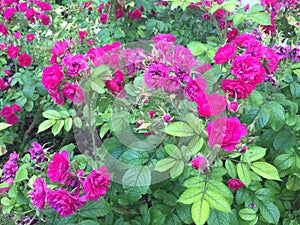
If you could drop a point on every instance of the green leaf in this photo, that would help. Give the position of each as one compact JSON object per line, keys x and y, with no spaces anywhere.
{"x":218,"y":217}
{"x":244,"y":174}
{"x":22,"y":174}
{"x":137,"y":176}
{"x":104,"y":129}
{"x":263,"y":118}
{"x":57,"y":127}
{"x":52,"y":114}
{"x":173,"y":151}
{"x":195,"y":123}
{"x":231,"y":168}
{"x":255,"y":8}
{"x":94,"y":209}
{"x":247,"y":214}
{"x":190,"y":195}
{"x":46,"y":125}
{"x":165,"y":164}
{"x":261,"y":18}
{"x":197,"y":48}
{"x":254,"y":153}
{"x":265,"y":170}
{"x":295,"y":90}
{"x":194,"y":146}
{"x":177,"y":169}
{"x":277,"y":118}
{"x":175,"y":4}
{"x":4,"y":185}
{"x":195,"y":182}
{"x":68,"y":124}
{"x":284,"y":139}
{"x":284,"y":161}
{"x":179,"y":129}
{"x":184,"y":213}
{"x":217,"y":201}
{"x":134,"y":157}
{"x":293,"y":183}
{"x":230,"y":6}
{"x":7,"y":209}
{"x":89,"y":222}
{"x":6,"y":201}
{"x":4,"y":126}
{"x":238,"y":18}
{"x":270,"y":212}
{"x":265,"y":194}
{"x":200,"y":211}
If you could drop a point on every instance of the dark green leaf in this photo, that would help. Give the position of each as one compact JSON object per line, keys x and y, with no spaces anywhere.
{"x":95,"y":209}
{"x":270,"y":212}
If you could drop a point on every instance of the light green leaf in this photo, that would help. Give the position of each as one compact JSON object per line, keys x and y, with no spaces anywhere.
{"x":238,"y":18}
{"x":261,"y":18}
{"x":45,"y":125}
{"x":200,"y":211}
{"x":4,"y":185}
{"x":190,"y":195}
{"x":137,"y":176}
{"x":293,"y":183}
{"x":265,"y":170}
{"x":244,"y":174}
{"x":177,"y":169}
{"x":179,"y":129}
{"x":173,"y":151}
{"x":165,"y":164}
{"x":57,"y":127}
{"x":217,"y":201}
{"x":270,"y":212}
{"x":95,"y":209}
{"x":197,"y":48}
{"x":4,"y":126}
{"x":284,"y":161}
{"x":52,"y":114}
{"x":22,"y":174}
{"x":104,"y":129}
{"x":253,"y":154}
{"x":68,"y":124}
{"x":247,"y":214}
{"x":231,"y":168}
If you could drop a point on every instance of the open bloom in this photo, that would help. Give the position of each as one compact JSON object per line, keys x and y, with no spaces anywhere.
{"x":96,"y":184}
{"x":74,"y":92}
{"x":59,"y":167}
{"x":225,"y":53}
{"x":39,"y":194}
{"x":235,"y":184}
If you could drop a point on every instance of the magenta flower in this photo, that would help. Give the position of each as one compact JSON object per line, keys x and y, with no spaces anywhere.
{"x":136,"y":14}
{"x":224,"y":54}
{"x":74,"y":92}
{"x":64,"y":202}
{"x":52,"y":76}
{"x":194,"y":89}
{"x":210,"y":105}
{"x":96,"y":184}
{"x":226,"y":132}
{"x":237,"y":88}
{"x":151,"y":113}
{"x":12,"y":119}
{"x":30,"y":13}
{"x":199,"y":162}
{"x":37,"y":153}
{"x":59,"y":167}
{"x":22,"y":6}
{"x":12,"y":51}
{"x":167,"y":118}
{"x":75,"y":64}
{"x":9,"y":171}
{"x":45,"y":19}
{"x":45,"y":6}
{"x":164,"y":37}
{"x":235,"y":184}
{"x":6,"y":111}
{"x":155,"y":75}
{"x":39,"y":194}
{"x":171,"y":84}
{"x":3,"y":29}
{"x":29,"y":37}
{"x":232,"y":106}
{"x":25,"y":60}
{"x":103,"y":18}
{"x":8,"y":13}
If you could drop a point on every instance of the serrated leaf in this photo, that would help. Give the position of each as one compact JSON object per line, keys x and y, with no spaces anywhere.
{"x":177,"y":169}
{"x":200,"y":211}
{"x":265,"y":194}
{"x":52,"y":114}
{"x":254,"y":153}
{"x":173,"y":151}
{"x":293,"y":183}
{"x":244,"y":174}
{"x":94,"y":209}
{"x":195,"y":182}
{"x":263,"y":118}
{"x":231,"y":168}
{"x":4,"y":126}
{"x":284,"y":161}
{"x":45,"y":125}
{"x":284,"y":140}
{"x":265,"y":170}
{"x":134,"y":157}
{"x":190,"y":195}
{"x":165,"y":164}
{"x":238,"y":18}
{"x":247,"y":214}
{"x":217,"y":201}
{"x":68,"y":124}
{"x":184,"y":213}
{"x":22,"y":174}
{"x":197,"y":48}
{"x":270,"y":212}
{"x":218,"y":217}
{"x":179,"y":129}
{"x":104,"y":129}
{"x":57,"y":127}
{"x":261,"y":18}
{"x":137,"y":176}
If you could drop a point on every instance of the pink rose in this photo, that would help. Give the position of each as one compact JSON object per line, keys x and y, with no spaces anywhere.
{"x":8,"y":13}
{"x":151,"y":113}
{"x":22,"y":6}
{"x":57,"y":96}
{"x":237,"y":88}
{"x":199,"y":162}
{"x":16,"y":107}
{"x":12,"y":51}
{"x":206,"y":16}
{"x":136,"y":14}
{"x":25,"y":60}
{"x":268,"y":2}
{"x":96,"y":184}
{"x":231,"y":35}
{"x":235,"y":184}
{"x":45,"y":19}
{"x":271,"y":60}
{"x":75,"y":64}
{"x":6,"y":111}
{"x":119,"y":13}
{"x":244,"y":39}
{"x":59,"y":167}
{"x":100,"y":8}
{"x":210,"y":104}
{"x":39,"y":194}
{"x":156,"y":75}
{"x":232,"y":106}
{"x":195,"y":88}
{"x":52,"y":76}
{"x":17,"y":35}
{"x":248,"y":68}
{"x":45,"y":6}
{"x":74,"y":92}
{"x":167,"y":118}
{"x":164,"y":37}
{"x":3,"y":29}
{"x":226,"y":132}
{"x":171,"y":84}
{"x":29,"y":13}
{"x":59,"y":48}
{"x":29,"y":37}
{"x":224,"y":54}
{"x":12,"y":119}
{"x":82,"y":34}
{"x":64,"y":202}
{"x":103,"y":18}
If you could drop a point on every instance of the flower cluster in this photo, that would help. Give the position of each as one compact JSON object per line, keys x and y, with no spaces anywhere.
{"x":9,"y":171}
{"x":9,"y":113}
{"x":33,"y":11}
{"x":76,"y":190}
{"x":37,"y":154}
{"x":24,"y":59}
{"x":285,"y":52}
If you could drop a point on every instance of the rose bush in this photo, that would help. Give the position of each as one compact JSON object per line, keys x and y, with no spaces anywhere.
{"x":149,"y":112}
